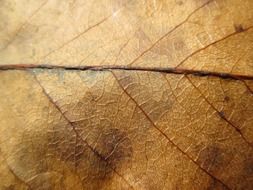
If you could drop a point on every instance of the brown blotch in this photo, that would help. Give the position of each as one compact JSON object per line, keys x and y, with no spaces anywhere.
{"x":212,"y":185}
{"x":113,"y":151}
{"x":226,"y":98}
{"x":246,"y":174}
{"x":248,"y":167}
{"x":238,"y":28}
{"x":99,"y":158}
{"x":214,"y":159}
{"x":222,"y":114}
{"x":115,"y":147}
{"x":215,"y":185}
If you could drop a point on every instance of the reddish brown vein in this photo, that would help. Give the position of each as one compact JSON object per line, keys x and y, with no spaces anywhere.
{"x":172,"y":70}
{"x":213,"y":43}
{"x":221,"y":115}
{"x":169,"y":32}
{"x":77,"y":134}
{"x":166,"y":136}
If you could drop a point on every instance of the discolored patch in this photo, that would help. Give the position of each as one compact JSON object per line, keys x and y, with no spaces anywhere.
{"x":248,"y":168}
{"x":214,"y":159}
{"x":222,"y":114}
{"x":98,"y":159}
{"x":112,"y":150}
{"x":179,"y":2}
{"x":238,"y":28}
{"x":214,"y":185}
{"x":115,"y":147}
{"x":179,"y":45}
{"x":226,"y":98}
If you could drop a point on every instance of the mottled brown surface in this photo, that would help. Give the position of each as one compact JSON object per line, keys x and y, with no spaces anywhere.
{"x":125,"y":94}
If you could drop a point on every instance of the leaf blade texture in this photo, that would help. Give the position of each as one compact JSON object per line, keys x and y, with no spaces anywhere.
{"x":126,"y":94}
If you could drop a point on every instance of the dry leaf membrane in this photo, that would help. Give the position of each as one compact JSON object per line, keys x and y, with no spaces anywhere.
{"x":110,"y":94}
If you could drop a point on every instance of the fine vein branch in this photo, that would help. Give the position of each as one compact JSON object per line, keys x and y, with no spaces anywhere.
{"x":171,"y":70}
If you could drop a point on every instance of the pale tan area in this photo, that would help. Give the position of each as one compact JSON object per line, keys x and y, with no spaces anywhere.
{"x":213,"y":35}
{"x":91,"y":129}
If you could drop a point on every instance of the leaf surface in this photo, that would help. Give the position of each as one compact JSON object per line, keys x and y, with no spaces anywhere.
{"x":110,"y":94}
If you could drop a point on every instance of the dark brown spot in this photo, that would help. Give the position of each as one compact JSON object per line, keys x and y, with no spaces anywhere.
{"x":222,"y":114}
{"x":238,"y":28}
{"x":226,"y":98}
